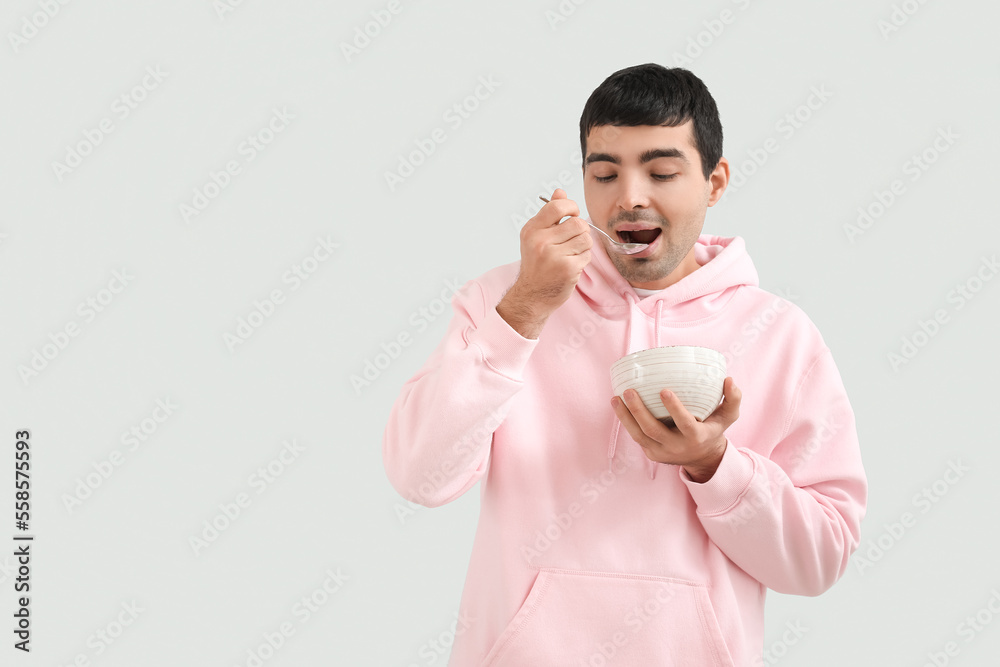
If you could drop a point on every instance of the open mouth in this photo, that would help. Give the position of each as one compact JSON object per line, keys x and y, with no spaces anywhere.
{"x":639,"y":235}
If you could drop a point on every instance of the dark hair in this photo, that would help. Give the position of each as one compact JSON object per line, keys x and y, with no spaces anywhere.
{"x":651,"y":94}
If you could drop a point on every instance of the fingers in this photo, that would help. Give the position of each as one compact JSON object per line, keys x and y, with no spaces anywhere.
{"x":628,"y":421}
{"x":646,"y":425}
{"x":579,"y":243}
{"x":572,"y":235}
{"x":729,"y":410}
{"x":557,"y":209}
{"x":683,"y":418}
{"x":561,"y":241}
{"x":573,"y":227}
{"x":689,"y":437}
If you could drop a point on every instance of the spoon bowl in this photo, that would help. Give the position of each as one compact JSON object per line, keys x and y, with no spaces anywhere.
{"x":617,"y":246}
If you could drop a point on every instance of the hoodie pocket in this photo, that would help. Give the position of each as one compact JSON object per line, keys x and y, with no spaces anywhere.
{"x":573,"y":618}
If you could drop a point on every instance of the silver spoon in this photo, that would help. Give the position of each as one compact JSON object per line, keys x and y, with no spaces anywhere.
{"x":619,"y":247}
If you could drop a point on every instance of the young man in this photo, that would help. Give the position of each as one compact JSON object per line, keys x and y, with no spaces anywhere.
{"x":648,"y":544}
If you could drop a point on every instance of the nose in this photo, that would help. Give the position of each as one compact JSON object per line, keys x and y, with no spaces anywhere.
{"x":632,"y":194}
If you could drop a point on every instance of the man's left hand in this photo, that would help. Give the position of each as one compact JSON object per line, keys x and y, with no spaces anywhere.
{"x":696,"y":446}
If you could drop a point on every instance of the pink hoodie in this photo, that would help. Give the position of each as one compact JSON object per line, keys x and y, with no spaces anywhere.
{"x":588,"y":553}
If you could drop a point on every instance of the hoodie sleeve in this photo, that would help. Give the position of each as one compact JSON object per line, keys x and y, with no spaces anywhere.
{"x":439,"y":434}
{"x":792,"y":520}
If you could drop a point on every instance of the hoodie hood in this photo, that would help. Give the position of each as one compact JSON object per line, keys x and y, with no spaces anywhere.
{"x":724,"y":267}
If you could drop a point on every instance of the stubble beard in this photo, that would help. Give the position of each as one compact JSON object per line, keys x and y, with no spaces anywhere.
{"x":649,"y":269}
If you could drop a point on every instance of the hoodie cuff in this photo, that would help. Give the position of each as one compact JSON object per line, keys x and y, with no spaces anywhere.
{"x":504,"y":349}
{"x":730,"y":481}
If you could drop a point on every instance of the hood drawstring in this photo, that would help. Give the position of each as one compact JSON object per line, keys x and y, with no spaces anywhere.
{"x":612,"y":444}
{"x":653,"y":465}
{"x":659,"y":310}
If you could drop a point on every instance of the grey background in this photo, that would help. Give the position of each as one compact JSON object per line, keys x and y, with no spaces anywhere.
{"x":454,"y":218}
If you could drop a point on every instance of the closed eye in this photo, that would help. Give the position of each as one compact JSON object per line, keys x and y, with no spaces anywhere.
{"x":659,"y":177}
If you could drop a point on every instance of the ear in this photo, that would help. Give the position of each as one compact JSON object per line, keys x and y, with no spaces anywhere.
{"x":718,"y":181}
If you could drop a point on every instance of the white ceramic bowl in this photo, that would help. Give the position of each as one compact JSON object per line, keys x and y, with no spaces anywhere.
{"x":695,"y":374}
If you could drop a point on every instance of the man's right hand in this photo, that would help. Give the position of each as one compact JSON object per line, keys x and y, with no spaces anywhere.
{"x":552,"y":258}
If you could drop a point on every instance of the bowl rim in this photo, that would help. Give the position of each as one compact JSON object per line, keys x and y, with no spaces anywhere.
{"x":698,"y":349}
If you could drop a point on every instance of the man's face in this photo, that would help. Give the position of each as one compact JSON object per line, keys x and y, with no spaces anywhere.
{"x":637,"y":180}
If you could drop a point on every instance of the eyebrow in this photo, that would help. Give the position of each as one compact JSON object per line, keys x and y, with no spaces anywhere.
{"x":646,"y":156}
